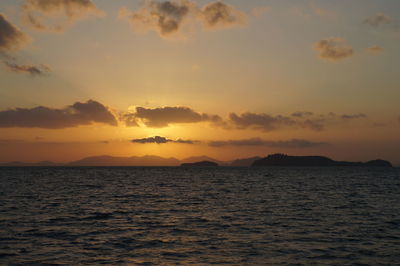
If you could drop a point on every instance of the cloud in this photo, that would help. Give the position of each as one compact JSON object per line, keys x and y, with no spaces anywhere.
{"x":378,"y":20}
{"x":62,"y":13}
{"x":74,"y":115}
{"x":164,"y":116}
{"x":314,"y":124}
{"x":302,"y":114}
{"x":260,"y":121}
{"x":353,"y":116}
{"x":218,"y":15}
{"x":294,"y":143}
{"x":33,"y":70}
{"x":265,"y":122}
{"x":375,"y":49}
{"x":333,"y":49}
{"x":168,"y":18}
{"x":162,"y":140}
{"x":11,"y":38}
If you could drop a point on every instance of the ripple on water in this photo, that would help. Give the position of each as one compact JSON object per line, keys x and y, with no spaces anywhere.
{"x":153,"y":216}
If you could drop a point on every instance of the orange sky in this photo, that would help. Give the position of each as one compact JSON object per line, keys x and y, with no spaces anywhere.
{"x":229,"y":79}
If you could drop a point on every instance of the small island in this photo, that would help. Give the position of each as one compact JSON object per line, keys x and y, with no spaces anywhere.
{"x":200,"y":164}
{"x":287,"y":160}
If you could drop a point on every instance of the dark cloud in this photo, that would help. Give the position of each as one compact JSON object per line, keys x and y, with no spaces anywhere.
{"x":74,"y":115}
{"x":314,"y":124}
{"x":294,"y":143}
{"x":11,"y":38}
{"x":302,"y":114}
{"x":333,"y":49}
{"x":266,"y":122}
{"x":221,"y":15}
{"x":378,"y":20}
{"x":33,"y":70}
{"x":164,"y":116}
{"x":167,"y":18}
{"x":162,"y":140}
{"x":261,"y":121}
{"x":375,"y":49}
{"x":35,"y":12}
{"x":353,"y":116}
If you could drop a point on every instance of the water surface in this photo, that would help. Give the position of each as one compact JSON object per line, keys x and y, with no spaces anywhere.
{"x":236,"y":216}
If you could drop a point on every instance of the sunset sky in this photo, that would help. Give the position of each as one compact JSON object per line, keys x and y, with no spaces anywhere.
{"x":228,"y":79}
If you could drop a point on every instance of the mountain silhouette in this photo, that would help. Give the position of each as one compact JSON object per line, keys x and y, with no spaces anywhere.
{"x":244,"y":161}
{"x":106,"y":160}
{"x":151,"y":160}
{"x":286,"y":160}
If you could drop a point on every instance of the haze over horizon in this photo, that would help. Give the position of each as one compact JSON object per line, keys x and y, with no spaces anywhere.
{"x":227,"y":79}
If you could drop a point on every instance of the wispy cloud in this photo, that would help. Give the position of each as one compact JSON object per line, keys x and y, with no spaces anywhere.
{"x":375,"y":49}
{"x":293,"y":143}
{"x":33,"y":70}
{"x":260,"y":121}
{"x":57,"y":15}
{"x":378,"y":20}
{"x":354,"y":116}
{"x":162,"y":140}
{"x":333,"y":49}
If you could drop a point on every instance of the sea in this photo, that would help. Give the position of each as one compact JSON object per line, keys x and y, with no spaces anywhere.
{"x":199,"y":216}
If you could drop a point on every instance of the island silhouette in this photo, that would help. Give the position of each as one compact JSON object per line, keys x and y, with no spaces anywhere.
{"x":200,"y":164}
{"x":287,"y":160}
{"x":205,"y":161}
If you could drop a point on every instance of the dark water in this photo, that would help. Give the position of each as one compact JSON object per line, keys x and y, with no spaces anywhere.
{"x":239,"y":216}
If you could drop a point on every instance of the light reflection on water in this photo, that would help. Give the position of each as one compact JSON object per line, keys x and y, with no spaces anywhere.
{"x":199,"y":216}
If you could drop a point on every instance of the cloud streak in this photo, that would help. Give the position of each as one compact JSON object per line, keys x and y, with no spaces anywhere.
{"x":375,"y":49}
{"x":293,"y":143}
{"x":33,"y":70}
{"x":161,"y":140}
{"x":378,"y":20}
{"x":260,"y":121}
{"x":77,"y":114}
{"x":354,"y":116}
{"x":333,"y":49}
{"x":64,"y":13}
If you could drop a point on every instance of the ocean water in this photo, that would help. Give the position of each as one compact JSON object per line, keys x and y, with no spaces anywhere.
{"x":200,"y":216}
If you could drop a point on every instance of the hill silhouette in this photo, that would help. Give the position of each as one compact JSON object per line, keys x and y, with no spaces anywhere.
{"x":286,"y":160}
{"x":150,"y":160}
{"x":106,"y":160}
{"x":245,"y":161}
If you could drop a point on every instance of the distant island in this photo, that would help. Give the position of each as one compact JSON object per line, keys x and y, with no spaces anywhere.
{"x":151,"y":160}
{"x":200,"y":164}
{"x":287,"y":160}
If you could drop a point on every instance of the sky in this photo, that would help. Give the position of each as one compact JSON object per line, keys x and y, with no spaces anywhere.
{"x":228,"y":79}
